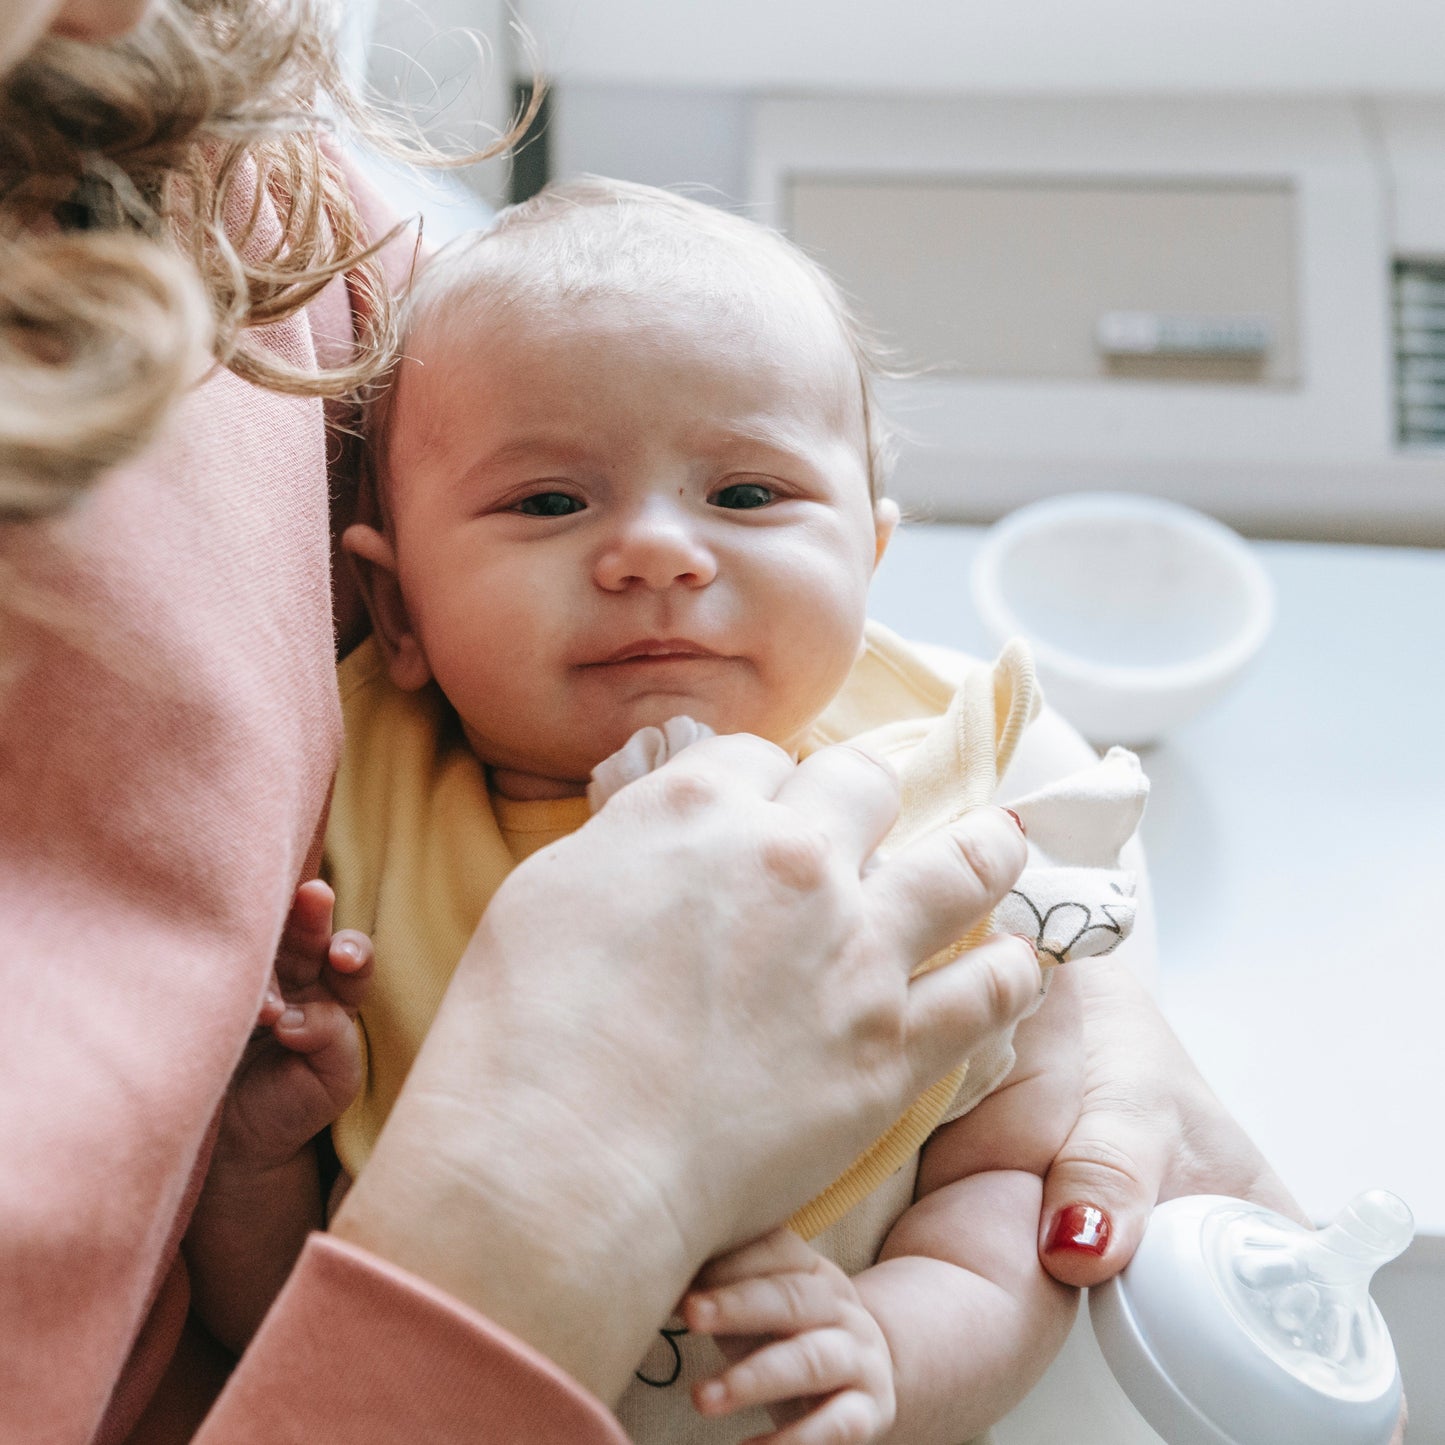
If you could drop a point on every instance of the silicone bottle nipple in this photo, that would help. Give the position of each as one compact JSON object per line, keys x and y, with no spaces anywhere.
{"x":1304,"y":1295}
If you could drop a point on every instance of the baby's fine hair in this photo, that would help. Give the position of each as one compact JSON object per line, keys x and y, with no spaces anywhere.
{"x":575,"y":237}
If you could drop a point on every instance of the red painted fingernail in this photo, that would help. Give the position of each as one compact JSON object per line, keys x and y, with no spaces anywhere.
{"x":1017,"y":820}
{"x":1080,"y":1227}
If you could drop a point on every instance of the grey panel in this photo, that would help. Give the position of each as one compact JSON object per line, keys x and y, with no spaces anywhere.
{"x":1011,"y":278}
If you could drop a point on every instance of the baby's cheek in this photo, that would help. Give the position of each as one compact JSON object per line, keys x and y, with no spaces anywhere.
{"x":800,"y":701}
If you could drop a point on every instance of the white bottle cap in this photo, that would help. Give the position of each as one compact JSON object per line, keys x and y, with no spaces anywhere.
{"x":1233,"y":1325}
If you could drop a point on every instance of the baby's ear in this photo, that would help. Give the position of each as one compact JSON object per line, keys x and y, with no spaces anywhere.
{"x":885,"y":520}
{"x":373,"y":560}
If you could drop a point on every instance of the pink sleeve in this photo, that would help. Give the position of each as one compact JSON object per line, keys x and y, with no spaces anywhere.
{"x":384,"y":1358}
{"x":168,"y":732}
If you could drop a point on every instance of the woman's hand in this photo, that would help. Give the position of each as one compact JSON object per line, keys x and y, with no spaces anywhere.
{"x":673,"y":1028}
{"x":1150,"y":1129}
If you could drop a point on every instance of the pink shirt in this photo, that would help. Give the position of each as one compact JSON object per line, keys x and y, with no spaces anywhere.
{"x":168,"y":733}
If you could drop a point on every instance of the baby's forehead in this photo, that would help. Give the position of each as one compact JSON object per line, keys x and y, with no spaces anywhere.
{"x":711,"y":280}
{"x":718,"y":273}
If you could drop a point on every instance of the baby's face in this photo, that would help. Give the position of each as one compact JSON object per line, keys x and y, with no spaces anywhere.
{"x":621,"y":510}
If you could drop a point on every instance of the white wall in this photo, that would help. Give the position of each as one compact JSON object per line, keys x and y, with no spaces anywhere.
{"x":450,"y":66}
{"x":1409,"y":136}
{"x":1106,"y":46}
{"x":661,"y":136}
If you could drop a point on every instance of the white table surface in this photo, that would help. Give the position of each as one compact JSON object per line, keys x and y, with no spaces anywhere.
{"x":1296,"y":842}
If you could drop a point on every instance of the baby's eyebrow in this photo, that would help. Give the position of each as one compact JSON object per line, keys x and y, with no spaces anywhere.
{"x":767,"y":435}
{"x":554,"y":450}
{"x":529,"y":445}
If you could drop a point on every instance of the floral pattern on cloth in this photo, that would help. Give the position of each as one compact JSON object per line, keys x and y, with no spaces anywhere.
{"x":1074,"y":899}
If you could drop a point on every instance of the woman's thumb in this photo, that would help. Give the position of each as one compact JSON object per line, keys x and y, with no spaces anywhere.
{"x":1098,"y":1194}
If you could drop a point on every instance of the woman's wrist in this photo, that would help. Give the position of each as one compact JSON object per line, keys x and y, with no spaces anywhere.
{"x":569,"y":1249}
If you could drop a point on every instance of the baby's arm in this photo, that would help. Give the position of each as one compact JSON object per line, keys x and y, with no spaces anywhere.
{"x":971,"y":1316}
{"x":964,"y":1314}
{"x":262,"y":1194}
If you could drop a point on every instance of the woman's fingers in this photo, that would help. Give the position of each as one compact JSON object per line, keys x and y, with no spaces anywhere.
{"x":1150,"y":1129}
{"x":723,"y":901}
{"x":933,"y":892}
{"x":952,"y":1010}
{"x":745,"y":765}
{"x":849,"y":796}
{"x":1118,"y":1163}
{"x":1099,"y":1192}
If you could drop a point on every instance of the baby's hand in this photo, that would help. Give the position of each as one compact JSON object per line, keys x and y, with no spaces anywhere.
{"x":644,"y":752}
{"x":303,"y":1064}
{"x":801,"y":1343}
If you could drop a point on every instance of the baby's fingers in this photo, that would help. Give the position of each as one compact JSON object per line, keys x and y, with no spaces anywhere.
{"x":775,"y":1304}
{"x":272,"y":1006}
{"x":306,"y":938}
{"x":324,"y":1033}
{"x":851,"y":1417}
{"x":817,"y":1363}
{"x":349,"y":964}
{"x":773,"y":1253}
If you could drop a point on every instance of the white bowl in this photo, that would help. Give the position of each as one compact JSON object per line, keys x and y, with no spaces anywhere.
{"x":1139,"y":611}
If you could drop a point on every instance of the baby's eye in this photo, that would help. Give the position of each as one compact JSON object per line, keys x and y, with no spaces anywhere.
{"x":743,"y":495}
{"x":550,"y":504}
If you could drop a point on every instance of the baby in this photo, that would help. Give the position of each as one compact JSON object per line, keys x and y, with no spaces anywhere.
{"x":629,"y":473}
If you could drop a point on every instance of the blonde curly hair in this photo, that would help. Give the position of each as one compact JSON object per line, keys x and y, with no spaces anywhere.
{"x":119,"y":166}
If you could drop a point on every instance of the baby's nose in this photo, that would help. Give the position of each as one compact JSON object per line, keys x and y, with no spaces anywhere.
{"x":655,"y":547}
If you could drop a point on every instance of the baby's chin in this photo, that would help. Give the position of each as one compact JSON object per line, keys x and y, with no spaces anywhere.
{"x":716,"y":720}
{"x":568,"y":774}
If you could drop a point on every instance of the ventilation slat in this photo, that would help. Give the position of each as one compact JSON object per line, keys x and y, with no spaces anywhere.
{"x":1419,"y":327}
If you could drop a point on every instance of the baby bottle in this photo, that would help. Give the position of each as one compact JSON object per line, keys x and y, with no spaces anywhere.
{"x":1233,"y":1325}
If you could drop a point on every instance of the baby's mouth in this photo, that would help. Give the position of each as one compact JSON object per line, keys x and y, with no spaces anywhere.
{"x":654,"y":650}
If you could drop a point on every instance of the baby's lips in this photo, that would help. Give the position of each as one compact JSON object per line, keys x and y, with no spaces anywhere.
{"x":641,"y":648}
